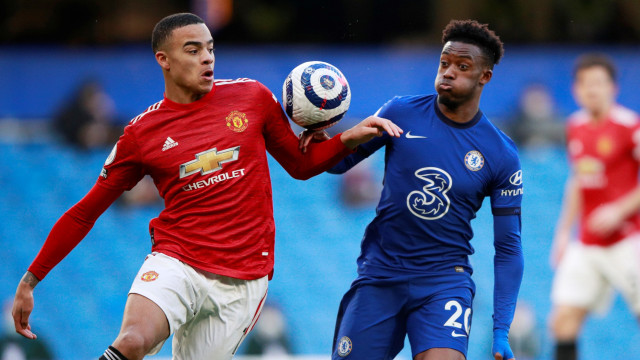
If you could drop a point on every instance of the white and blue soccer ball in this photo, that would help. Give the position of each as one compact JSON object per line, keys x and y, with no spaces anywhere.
{"x":316,"y":95}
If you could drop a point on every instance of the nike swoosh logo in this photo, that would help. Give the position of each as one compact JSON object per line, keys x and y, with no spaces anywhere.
{"x":455,"y":334}
{"x":409,"y":136}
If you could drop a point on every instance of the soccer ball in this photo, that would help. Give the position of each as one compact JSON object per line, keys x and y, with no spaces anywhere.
{"x":316,"y":95}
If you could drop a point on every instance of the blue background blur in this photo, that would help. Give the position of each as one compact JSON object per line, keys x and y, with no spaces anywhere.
{"x":80,"y":304}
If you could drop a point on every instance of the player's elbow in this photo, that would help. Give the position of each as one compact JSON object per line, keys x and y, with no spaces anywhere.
{"x":302,"y":175}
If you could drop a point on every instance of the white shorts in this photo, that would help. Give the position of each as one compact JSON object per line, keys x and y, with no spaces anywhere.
{"x":588,"y":275}
{"x":209,"y":315}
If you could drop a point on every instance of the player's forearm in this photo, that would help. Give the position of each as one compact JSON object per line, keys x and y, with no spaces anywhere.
{"x":508,"y":273}
{"x":570,"y":206}
{"x":319,"y":158}
{"x":29,"y":280}
{"x":508,"y":270}
{"x":71,"y":228}
{"x":630,"y":203}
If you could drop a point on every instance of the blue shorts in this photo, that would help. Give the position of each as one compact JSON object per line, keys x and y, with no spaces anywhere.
{"x":377,"y":313}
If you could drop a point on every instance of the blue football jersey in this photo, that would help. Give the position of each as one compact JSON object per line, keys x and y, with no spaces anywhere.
{"x":436,"y":178}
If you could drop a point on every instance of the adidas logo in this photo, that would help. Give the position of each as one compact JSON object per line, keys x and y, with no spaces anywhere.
{"x":169,"y":143}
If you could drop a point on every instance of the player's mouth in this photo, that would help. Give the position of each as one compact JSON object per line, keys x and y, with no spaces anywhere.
{"x":445,"y":86}
{"x":207,"y":75}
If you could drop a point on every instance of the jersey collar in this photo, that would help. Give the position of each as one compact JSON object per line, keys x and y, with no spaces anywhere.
{"x":452,"y":123}
{"x":192,"y":105}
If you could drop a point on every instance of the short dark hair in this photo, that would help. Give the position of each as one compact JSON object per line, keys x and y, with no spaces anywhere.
{"x":595,"y":59}
{"x":164,"y":27}
{"x":472,"y":32}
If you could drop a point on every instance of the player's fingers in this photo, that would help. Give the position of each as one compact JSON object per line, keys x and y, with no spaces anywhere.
{"x":306,"y":142}
{"x":385,"y":126}
{"x":497,"y":356}
{"x":392,"y":129}
{"x":21,"y":322}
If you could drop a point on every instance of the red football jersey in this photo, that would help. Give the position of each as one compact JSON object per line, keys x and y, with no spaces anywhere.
{"x":209,"y":163}
{"x":605,"y":157}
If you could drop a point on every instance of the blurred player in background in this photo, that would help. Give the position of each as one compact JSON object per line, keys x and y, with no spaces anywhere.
{"x":603,"y":197}
{"x":414,"y":275}
{"x":212,"y":246}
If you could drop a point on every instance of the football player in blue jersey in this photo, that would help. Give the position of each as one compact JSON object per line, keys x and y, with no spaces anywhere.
{"x":414,"y":275}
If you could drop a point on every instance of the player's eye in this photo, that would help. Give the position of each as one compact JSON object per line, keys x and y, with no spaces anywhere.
{"x":211,"y":50}
{"x":443,"y":63}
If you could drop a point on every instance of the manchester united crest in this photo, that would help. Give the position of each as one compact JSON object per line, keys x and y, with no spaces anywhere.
{"x":237,"y":121}
{"x":604,"y":146}
{"x":149,"y":276}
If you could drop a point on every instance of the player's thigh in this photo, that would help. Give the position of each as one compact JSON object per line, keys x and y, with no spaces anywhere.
{"x":169,"y":285}
{"x":579,"y":282}
{"x":370,"y":324}
{"x":145,"y":320}
{"x":440,"y":354}
{"x":443,"y":320}
{"x":230,"y":311}
{"x":621,"y":264}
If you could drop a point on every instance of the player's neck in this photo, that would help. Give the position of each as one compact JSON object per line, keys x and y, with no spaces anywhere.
{"x":462,"y":113}
{"x":599,"y":115}
{"x":181,"y":95}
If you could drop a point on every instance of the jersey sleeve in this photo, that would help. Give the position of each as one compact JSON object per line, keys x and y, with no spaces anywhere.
{"x":365,"y":150}
{"x":123,"y":168}
{"x":507,"y":188}
{"x":508,"y":270}
{"x":71,"y":228}
{"x":282,"y":144}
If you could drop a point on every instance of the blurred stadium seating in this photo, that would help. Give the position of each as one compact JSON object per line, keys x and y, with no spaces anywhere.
{"x":79,"y":306}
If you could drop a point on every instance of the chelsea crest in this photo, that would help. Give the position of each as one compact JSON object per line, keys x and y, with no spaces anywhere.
{"x":474,"y":160}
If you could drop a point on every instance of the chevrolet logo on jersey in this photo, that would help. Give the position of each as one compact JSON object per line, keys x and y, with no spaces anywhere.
{"x":209,"y":161}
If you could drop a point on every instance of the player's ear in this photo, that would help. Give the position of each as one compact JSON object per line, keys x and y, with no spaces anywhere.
{"x":162,"y":59}
{"x":486,"y":76}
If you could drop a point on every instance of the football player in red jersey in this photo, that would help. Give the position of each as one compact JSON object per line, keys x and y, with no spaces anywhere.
{"x":212,"y":246}
{"x":602,"y":195}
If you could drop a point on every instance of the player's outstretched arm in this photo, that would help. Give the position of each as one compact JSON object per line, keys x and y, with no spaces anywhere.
{"x":23,"y":305}
{"x":367,"y":129}
{"x":508,"y":271}
{"x":68,"y":231}
{"x":608,"y":218}
{"x":571,"y":204}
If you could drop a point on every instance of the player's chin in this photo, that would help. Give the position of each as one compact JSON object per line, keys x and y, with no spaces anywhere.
{"x":205,"y":86}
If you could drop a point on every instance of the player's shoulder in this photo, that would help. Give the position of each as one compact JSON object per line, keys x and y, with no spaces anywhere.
{"x":145,"y":115}
{"x":623,"y":116}
{"x":578,"y":118}
{"x":619,"y":115}
{"x":244,"y":86}
{"x":507,"y":143}
{"x":241,"y":84}
{"x":401,"y":103}
{"x":412,"y":100}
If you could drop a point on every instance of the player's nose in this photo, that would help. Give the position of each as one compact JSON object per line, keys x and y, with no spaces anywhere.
{"x":208,"y":58}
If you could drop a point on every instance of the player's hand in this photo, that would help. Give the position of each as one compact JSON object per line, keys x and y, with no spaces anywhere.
{"x":501,"y":349}
{"x":560,"y":243}
{"x":308,"y":136}
{"x":604,"y":220}
{"x":23,"y":306}
{"x":367,"y":129}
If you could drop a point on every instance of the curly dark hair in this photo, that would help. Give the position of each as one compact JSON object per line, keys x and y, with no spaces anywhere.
{"x":472,"y":32}
{"x":164,"y":27}
{"x":596,"y":59}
